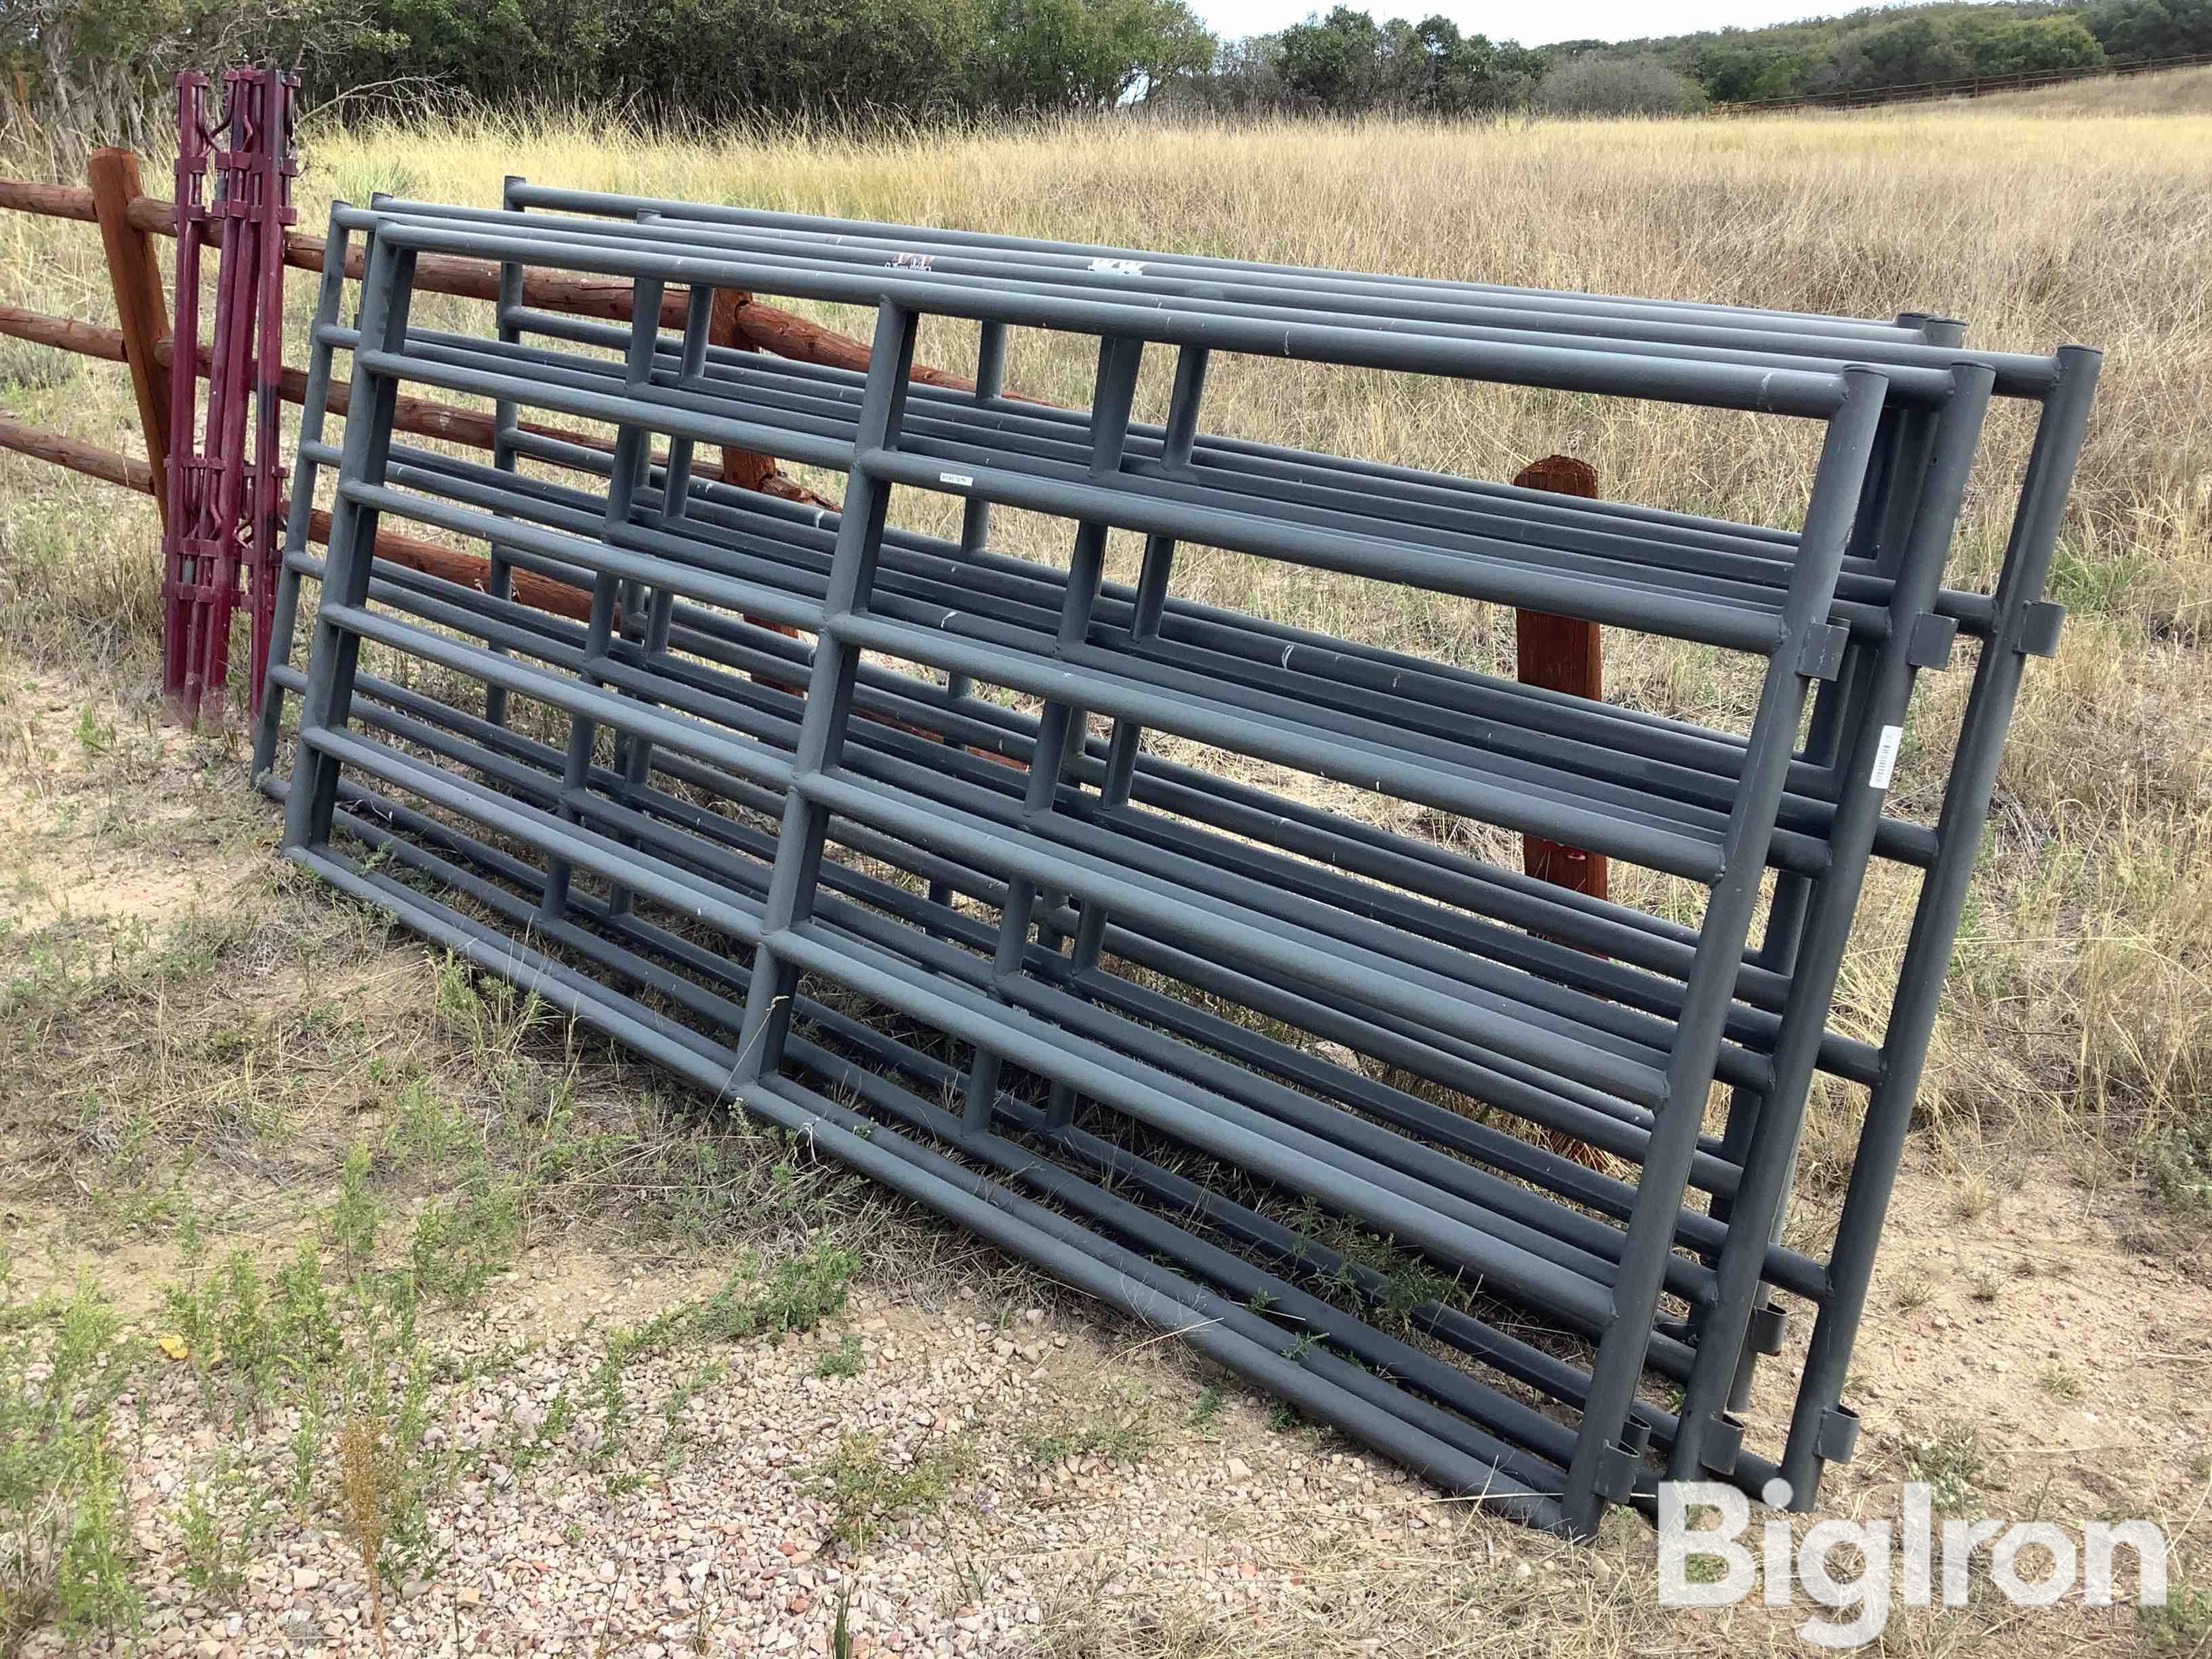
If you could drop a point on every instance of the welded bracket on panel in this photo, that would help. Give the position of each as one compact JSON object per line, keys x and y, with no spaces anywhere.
{"x":1823,"y":656}
{"x":1765,"y":1333}
{"x":1933,"y":636}
{"x":1839,"y":1435}
{"x":1617,"y":1472}
{"x":2039,"y":628}
{"x":1723,"y":1444}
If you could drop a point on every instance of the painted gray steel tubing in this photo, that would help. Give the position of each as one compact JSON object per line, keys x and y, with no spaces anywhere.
{"x":1458,"y":1395}
{"x":446,"y":616}
{"x":1898,"y":839}
{"x":1249,"y":1285}
{"x":960,"y":1196}
{"x":794,"y":945}
{"x":1441,"y":1383}
{"x":1635,"y":560}
{"x":1571,"y":958}
{"x":499,"y":570}
{"x":461,"y":370}
{"x":1918,"y":371}
{"x":386,"y":290}
{"x":1455,"y":1176}
{"x":1468,"y":1238}
{"x":615,"y":205}
{"x":454,"y":619}
{"x":1214,"y":449}
{"x":1843,"y":466}
{"x":1724,"y":750}
{"x":1655,"y":555}
{"x":314,"y":408}
{"x":1880,"y":621}
{"x":1813,"y":394}
{"x":1970,"y":609}
{"x":879,"y":527}
{"x":462,"y":658}
{"x":1820,"y":953}
{"x":1349,"y":292}
{"x":971,"y":1146}
{"x":1720,"y":947}
{"x":1825,"y":1430}
{"x":1516,"y":798}
{"x":1500,"y":580}
{"x":569,"y":326}
{"x":1238,"y":292}
{"x":1912,"y":1010}
{"x":1551,"y":712}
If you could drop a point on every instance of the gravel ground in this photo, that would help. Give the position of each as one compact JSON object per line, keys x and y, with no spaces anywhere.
{"x":729,"y":1545}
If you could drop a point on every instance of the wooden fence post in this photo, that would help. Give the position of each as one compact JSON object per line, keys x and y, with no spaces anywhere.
{"x":740,"y":467}
{"x":141,"y":306}
{"x":1560,"y":653}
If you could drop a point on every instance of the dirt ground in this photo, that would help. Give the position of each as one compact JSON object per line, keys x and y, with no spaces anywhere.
{"x":962,"y":1458}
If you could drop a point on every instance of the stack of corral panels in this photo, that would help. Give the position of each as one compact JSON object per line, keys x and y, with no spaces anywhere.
{"x":885,"y":838}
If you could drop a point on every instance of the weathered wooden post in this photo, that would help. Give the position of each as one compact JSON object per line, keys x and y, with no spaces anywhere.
{"x":141,"y":310}
{"x":1560,"y":653}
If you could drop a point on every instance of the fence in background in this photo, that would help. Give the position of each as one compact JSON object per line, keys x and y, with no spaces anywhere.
{"x":1978,"y":86}
{"x":113,"y":199}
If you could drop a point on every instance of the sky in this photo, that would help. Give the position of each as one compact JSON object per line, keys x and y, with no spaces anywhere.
{"x":1532,"y":25}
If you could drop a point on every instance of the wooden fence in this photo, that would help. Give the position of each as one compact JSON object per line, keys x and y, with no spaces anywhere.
{"x":128,"y":221}
{"x":1979,"y":86}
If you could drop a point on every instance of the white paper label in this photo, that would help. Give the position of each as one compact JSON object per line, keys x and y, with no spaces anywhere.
{"x":1118,"y":267}
{"x":1885,"y":756}
{"x":963,"y":479}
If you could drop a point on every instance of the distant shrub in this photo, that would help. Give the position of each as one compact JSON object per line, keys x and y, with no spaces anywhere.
{"x":1619,"y":85}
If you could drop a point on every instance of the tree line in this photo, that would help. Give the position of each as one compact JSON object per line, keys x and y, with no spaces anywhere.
{"x":101,"y":68}
{"x":1879,"y":46}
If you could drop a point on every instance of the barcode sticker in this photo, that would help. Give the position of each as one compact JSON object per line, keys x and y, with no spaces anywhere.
{"x":1885,"y":756}
{"x":963,"y":479}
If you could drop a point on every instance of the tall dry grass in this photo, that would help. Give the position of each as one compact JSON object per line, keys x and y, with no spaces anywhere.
{"x":2079,"y":994}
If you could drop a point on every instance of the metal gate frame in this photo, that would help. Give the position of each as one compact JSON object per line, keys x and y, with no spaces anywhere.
{"x":1852,"y":603}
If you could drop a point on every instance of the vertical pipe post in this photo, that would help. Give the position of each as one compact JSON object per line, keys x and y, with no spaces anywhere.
{"x":1936,"y":923}
{"x":829,"y":709}
{"x":1709,"y":986}
{"x":330,"y":296}
{"x":1060,"y":723}
{"x":975,"y":517}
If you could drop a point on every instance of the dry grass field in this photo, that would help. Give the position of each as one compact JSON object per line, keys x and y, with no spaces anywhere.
{"x":199,"y":1057}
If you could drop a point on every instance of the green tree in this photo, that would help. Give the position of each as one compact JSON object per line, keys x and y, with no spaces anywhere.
{"x":1334,"y":64}
{"x":2136,"y":30}
{"x":1087,"y":54}
{"x":1737,"y":72}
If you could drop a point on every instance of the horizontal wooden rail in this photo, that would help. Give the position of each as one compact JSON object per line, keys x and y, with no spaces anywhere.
{"x":540,"y":593}
{"x":762,"y":327}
